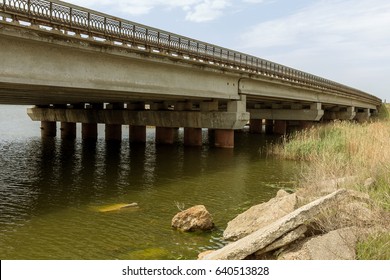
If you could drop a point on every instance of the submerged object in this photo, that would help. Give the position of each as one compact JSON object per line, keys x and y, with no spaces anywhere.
{"x":116,"y":207}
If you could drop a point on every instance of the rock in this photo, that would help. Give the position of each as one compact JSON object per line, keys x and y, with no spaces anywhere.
{"x":260,"y":216}
{"x":205,"y":253}
{"x":284,"y":240}
{"x":335,"y":245}
{"x":281,"y":193}
{"x":267,"y":235}
{"x":116,"y":207}
{"x":194,"y":218}
{"x":356,"y":213}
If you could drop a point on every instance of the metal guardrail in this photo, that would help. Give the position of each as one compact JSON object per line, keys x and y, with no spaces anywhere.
{"x":84,"y":21}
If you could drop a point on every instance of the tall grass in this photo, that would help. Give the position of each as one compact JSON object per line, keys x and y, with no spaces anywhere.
{"x":344,"y":149}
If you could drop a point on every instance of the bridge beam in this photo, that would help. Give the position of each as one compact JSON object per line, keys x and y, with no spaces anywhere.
{"x":315,"y":113}
{"x":348,"y":113}
{"x":174,"y":119}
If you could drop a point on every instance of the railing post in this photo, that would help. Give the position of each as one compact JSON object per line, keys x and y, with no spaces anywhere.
{"x":70,"y":16}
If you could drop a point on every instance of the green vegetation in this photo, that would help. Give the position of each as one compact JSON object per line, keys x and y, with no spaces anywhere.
{"x":344,"y":149}
{"x":374,"y":248}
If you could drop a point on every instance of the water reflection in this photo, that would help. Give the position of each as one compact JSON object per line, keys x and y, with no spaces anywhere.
{"x":50,"y":191}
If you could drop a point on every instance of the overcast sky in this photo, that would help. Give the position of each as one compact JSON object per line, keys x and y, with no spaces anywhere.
{"x":347,"y":41}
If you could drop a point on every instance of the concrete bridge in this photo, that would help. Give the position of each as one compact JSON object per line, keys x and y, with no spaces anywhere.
{"x":80,"y":66}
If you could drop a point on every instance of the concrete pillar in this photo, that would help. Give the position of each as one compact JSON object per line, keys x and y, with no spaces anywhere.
{"x":224,"y":138}
{"x":68,"y":130}
{"x":211,"y":136}
{"x":363,"y":116}
{"x":256,"y":126}
{"x":137,"y":133}
{"x":89,"y":131}
{"x":113,"y":132}
{"x":269,"y":126}
{"x":48,"y":129}
{"x":165,"y":135}
{"x":280,"y":127}
{"x":192,"y":136}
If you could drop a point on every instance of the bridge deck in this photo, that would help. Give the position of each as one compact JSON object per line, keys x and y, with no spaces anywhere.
{"x":78,"y":23}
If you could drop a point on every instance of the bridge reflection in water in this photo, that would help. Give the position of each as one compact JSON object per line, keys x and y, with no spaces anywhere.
{"x":52,"y":191}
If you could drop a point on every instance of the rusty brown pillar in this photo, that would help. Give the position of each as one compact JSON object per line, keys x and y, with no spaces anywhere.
{"x":256,"y":126}
{"x":280,"y":127}
{"x":113,"y":132}
{"x":48,"y":129}
{"x":68,"y":130}
{"x":137,"y":133}
{"x":192,"y":136}
{"x":269,"y":126}
{"x":224,"y":138}
{"x":165,"y":135}
{"x":89,"y":131}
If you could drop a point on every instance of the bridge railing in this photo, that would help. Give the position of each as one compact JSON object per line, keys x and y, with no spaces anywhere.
{"x":81,"y":20}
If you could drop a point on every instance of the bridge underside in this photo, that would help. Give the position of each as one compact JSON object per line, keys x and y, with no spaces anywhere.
{"x":75,"y":80}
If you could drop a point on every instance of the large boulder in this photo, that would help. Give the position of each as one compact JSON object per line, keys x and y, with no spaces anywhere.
{"x":260,"y":216}
{"x":192,"y":219}
{"x":265,"y":236}
{"x":335,"y":245}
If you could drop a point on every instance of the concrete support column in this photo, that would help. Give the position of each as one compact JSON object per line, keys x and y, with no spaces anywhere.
{"x":280,"y":127}
{"x":269,"y":126}
{"x":68,"y":130}
{"x":165,"y":135}
{"x":137,"y":133}
{"x":363,"y":116}
{"x":89,"y":131}
{"x":192,"y":136}
{"x":114,"y":131}
{"x":224,"y":138}
{"x":48,"y":129}
{"x":256,"y":126}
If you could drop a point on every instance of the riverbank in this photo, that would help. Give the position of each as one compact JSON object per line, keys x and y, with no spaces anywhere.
{"x":340,"y":208}
{"x":347,"y":150}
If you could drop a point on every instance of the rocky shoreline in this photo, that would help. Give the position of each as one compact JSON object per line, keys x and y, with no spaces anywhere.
{"x":305,"y":225}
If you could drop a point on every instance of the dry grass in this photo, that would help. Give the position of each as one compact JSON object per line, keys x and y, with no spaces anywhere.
{"x":343,"y":149}
{"x":346,"y":150}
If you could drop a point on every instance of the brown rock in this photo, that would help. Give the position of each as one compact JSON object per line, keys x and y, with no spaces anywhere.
{"x":194,"y":218}
{"x":284,"y":240}
{"x":203,"y":254}
{"x":335,"y":245}
{"x":281,"y":193}
{"x":267,"y":235}
{"x":259,"y":216}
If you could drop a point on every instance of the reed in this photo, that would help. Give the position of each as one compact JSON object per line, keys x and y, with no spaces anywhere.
{"x":342,"y":150}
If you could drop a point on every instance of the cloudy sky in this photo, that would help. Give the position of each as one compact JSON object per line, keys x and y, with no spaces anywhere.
{"x":347,"y":41}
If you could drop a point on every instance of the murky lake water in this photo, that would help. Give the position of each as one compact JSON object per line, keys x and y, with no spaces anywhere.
{"x":51,"y":192}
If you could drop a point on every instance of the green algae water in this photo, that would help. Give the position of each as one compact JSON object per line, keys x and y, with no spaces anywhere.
{"x":52,"y":192}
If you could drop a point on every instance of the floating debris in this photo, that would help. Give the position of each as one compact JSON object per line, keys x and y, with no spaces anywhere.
{"x":117,"y":207}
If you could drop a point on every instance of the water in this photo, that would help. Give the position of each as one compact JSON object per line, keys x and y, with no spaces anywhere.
{"x":51,"y":192}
